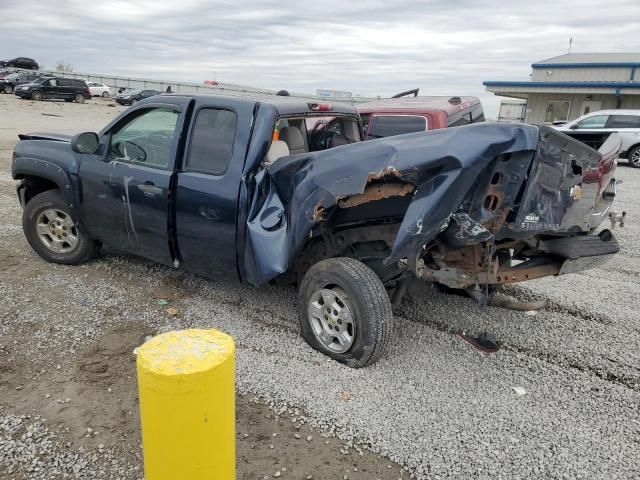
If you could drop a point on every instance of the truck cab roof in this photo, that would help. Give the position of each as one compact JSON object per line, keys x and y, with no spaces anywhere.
{"x":284,"y":105}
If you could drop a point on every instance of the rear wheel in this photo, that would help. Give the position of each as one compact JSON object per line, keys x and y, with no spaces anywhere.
{"x":80,"y":98}
{"x":345,"y":312}
{"x":105,"y":94}
{"x":37,"y":96}
{"x":634,"y":157}
{"x":7,"y":88}
{"x":52,"y":233}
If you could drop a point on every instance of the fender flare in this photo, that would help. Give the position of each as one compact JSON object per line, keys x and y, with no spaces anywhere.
{"x":25,"y":167}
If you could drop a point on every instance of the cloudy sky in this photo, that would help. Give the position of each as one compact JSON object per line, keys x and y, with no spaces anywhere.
{"x":370,"y":47}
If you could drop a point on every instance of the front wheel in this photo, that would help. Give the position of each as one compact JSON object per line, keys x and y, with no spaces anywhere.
{"x":105,"y":94}
{"x":634,"y":157}
{"x":80,"y":98}
{"x":37,"y":96}
{"x":8,"y":88}
{"x":52,"y":233}
{"x":345,"y":312}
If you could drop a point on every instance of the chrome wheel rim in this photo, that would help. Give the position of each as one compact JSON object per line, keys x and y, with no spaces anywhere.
{"x":635,"y":158}
{"x":331,"y":319}
{"x":57,"y":231}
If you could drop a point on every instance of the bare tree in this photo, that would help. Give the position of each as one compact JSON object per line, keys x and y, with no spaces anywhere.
{"x":63,"y":67}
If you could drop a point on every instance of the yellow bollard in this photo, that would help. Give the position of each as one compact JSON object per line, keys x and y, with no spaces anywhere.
{"x":186,"y":384}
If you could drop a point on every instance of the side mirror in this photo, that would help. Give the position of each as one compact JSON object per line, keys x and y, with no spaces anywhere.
{"x":86,"y":142}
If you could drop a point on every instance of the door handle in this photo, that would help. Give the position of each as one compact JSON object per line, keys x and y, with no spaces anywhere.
{"x":149,"y":189}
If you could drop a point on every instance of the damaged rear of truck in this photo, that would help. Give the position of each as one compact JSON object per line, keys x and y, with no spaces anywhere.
{"x":470,"y":208}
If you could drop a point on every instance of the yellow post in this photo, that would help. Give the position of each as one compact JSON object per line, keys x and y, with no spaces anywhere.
{"x":187,"y":405}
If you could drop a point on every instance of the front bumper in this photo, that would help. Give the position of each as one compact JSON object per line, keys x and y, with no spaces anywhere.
{"x":22,"y":93}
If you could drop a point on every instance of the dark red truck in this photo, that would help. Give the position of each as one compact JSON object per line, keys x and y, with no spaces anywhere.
{"x":397,"y":116}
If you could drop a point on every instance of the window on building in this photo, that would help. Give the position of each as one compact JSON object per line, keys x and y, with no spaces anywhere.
{"x":597,"y":121}
{"x":557,"y":111}
{"x":624,"y":121}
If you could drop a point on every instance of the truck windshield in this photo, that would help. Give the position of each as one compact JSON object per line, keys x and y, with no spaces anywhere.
{"x":389,"y":125}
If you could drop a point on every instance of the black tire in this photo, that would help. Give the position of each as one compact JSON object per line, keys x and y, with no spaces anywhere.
{"x":367,"y":299}
{"x":79,"y":98}
{"x":7,"y":88}
{"x":84,"y":250}
{"x":36,"y":96}
{"x":633,"y":156}
{"x":105,"y":94}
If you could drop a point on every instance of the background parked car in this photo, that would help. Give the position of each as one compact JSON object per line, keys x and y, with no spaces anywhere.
{"x":133,"y":96}
{"x":11,"y":81}
{"x":21,"y":62}
{"x":397,"y":116}
{"x":98,"y":89}
{"x":68,"y":89}
{"x":625,"y":122}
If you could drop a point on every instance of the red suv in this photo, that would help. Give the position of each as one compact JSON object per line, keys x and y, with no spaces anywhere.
{"x":399,"y":115}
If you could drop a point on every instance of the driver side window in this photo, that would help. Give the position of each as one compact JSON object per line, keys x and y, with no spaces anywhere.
{"x":146,"y":139}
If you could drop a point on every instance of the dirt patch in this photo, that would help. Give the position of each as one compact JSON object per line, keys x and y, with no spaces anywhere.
{"x":90,"y":401}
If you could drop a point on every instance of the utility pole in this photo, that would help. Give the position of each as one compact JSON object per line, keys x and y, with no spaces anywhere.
{"x":570,"y":42}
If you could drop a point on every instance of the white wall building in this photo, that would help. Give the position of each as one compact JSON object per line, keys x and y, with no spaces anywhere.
{"x":566,"y":87}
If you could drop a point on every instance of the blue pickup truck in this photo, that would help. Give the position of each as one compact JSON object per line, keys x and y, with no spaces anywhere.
{"x":259,"y":189}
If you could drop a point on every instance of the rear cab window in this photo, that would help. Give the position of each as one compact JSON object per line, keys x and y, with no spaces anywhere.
{"x":389,"y":125}
{"x":331,"y":132}
{"x":317,"y":132}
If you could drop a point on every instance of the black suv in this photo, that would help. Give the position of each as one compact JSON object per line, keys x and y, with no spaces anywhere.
{"x":133,"y":96}
{"x":68,"y":89}
{"x":11,"y":81}
{"x":21,"y":62}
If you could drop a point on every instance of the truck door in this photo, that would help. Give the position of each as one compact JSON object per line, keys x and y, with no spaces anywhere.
{"x":126,"y":186}
{"x":208,"y":186}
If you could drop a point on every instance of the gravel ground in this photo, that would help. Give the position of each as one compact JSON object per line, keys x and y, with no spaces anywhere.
{"x":561,"y":399}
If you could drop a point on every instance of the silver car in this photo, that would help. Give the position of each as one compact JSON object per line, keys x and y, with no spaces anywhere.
{"x":624,"y":122}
